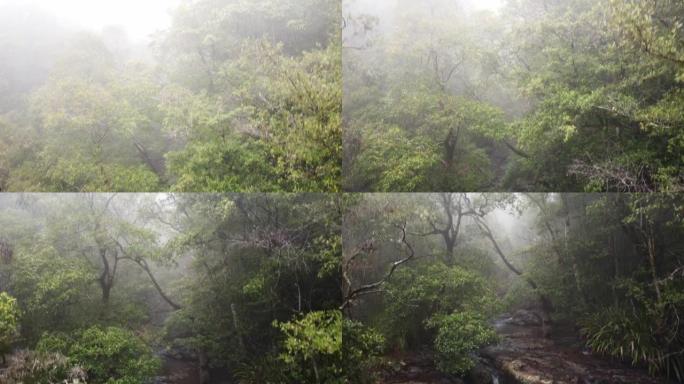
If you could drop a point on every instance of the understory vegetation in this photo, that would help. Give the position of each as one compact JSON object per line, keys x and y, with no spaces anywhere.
{"x":118,"y":288}
{"x":436,"y":272}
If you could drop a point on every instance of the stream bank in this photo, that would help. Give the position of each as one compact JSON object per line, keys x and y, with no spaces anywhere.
{"x":527,"y":354}
{"x":531,"y":354}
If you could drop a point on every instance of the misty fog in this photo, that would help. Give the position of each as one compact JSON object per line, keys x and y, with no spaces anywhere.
{"x":138,"y":20}
{"x":181,"y":95}
{"x":516,"y":288}
{"x":172,"y":288}
{"x":528,"y":95}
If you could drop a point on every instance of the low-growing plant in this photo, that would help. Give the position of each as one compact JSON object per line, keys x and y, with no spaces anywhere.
{"x":108,"y":355}
{"x":622,"y":334}
{"x":9,"y":317}
{"x":31,"y":367}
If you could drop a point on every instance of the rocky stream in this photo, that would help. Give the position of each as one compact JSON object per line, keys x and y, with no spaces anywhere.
{"x":527,"y":354}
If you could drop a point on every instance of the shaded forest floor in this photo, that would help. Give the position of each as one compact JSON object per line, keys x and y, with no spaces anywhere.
{"x":183,"y":371}
{"x":523,"y":356}
{"x":177,"y":371}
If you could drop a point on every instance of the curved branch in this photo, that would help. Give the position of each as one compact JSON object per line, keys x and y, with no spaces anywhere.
{"x":142,"y":263}
{"x":487,"y":232}
{"x":517,"y":151}
{"x":375,"y":287}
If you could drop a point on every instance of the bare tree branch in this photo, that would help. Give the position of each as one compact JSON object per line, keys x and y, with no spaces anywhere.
{"x":354,"y":293}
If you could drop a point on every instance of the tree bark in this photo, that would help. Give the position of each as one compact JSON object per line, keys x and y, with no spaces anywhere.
{"x":203,"y":367}
{"x":650,"y":242}
{"x":142,"y":263}
{"x":546,"y":304}
{"x":352,"y":293}
{"x":575,"y":265}
{"x":106,"y":279}
{"x":236,"y":325}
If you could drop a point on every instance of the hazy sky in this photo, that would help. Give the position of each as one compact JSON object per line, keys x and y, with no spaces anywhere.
{"x":140,"y":18}
{"x":486,"y":4}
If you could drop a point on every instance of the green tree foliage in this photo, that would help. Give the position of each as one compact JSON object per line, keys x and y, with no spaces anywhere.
{"x":285,"y":125}
{"x":459,"y":335}
{"x":598,"y":98}
{"x":573,"y":96}
{"x":614,"y":274}
{"x":603,"y":267}
{"x":85,"y":262}
{"x":312,"y":341}
{"x":403,"y":289}
{"x":407,"y":128}
{"x":423,"y":296}
{"x":108,"y":355}
{"x":324,"y":347}
{"x":9,"y":321}
{"x":81,"y":270}
{"x":361,"y":347}
{"x":103,"y":115}
{"x":54,"y":291}
{"x":240,"y":96}
{"x":244,"y":286}
{"x":264,"y":258}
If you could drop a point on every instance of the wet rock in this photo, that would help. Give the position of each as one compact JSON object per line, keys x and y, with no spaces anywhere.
{"x":516,"y":369}
{"x":480,"y":374}
{"x":414,"y":372}
{"x":524,"y":317}
{"x":526,"y":357}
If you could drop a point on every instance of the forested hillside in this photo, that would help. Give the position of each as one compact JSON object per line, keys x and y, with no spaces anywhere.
{"x":236,"y":95}
{"x":175,"y":289}
{"x":535,"y":95}
{"x":518,"y":288}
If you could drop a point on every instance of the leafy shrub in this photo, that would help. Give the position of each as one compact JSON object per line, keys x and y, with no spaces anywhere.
{"x":420,"y":293}
{"x":321,"y":347}
{"x":623,"y":334}
{"x":265,"y":370}
{"x":312,"y":347}
{"x":54,"y":291}
{"x":30,"y":367}
{"x":459,"y":335}
{"x":9,"y":313}
{"x":361,"y":347}
{"x":109,"y":355}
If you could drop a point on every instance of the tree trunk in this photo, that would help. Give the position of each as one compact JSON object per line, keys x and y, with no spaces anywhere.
{"x":616,"y":267}
{"x":236,"y":325}
{"x":315,"y":367}
{"x":573,"y":260}
{"x":650,"y":242}
{"x":450,"y":146}
{"x":450,"y":243}
{"x":546,"y":304}
{"x":204,"y":374}
{"x":106,"y":280}
{"x":143,"y":264}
